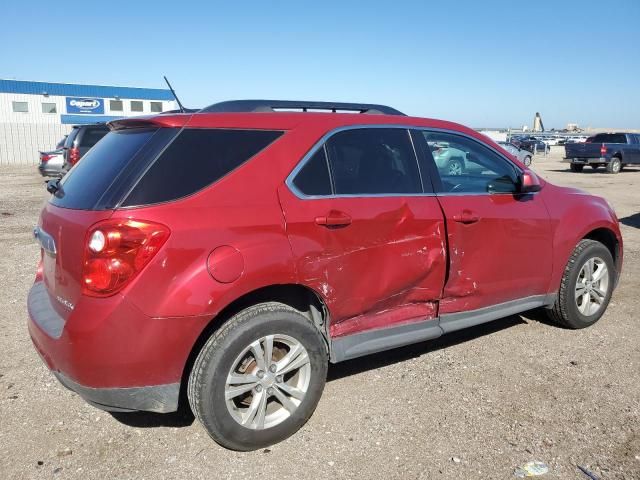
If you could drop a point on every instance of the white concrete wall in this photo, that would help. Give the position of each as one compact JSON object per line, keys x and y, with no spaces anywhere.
{"x":23,"y":135}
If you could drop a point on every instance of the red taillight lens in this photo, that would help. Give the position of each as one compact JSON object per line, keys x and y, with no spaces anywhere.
{"x":44,"y":158}
{"x":74,"y":155}
{"x":116,"y":250}
{"x":603,"y":149}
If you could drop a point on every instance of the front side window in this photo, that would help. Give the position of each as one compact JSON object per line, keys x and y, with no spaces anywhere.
{"x":136,"y":106}
{"x":115,"y":105}
{"x":467,"y":166}
{"x":156,"y":107}
{"x":49,"y":108}
{"x":373,"y":161}
{"x":20,"y":107}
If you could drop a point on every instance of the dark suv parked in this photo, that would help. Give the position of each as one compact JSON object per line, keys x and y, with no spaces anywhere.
{"x":231,"y":254}
{"x":80,"y":140}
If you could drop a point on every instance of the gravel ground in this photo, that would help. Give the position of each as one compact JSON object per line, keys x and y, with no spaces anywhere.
{"x":474,"y":404}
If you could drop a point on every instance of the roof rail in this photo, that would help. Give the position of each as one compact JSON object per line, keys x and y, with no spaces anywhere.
{"x":274,"y":105}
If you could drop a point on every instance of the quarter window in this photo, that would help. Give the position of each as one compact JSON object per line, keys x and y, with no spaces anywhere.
{"x":115,"y":105}
{"x":313,"y":178}
{"x":136,"y":106}
{"x":49,"y":108}
{"x":20,"y":107}
{"x":467,"y":166}
{"x":373,"y":161}
{"x":195,"y":159}
{"x":156,"y":107}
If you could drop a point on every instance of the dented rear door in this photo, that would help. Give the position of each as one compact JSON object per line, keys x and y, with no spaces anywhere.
{"x":378,"y":258}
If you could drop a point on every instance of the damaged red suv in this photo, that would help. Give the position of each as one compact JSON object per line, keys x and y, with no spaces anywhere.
{"x":230,"y":254}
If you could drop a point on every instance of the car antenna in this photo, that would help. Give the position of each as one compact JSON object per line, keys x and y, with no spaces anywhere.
{"x":174,"y":94}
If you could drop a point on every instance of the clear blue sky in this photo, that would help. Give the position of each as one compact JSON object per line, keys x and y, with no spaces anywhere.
{"x":482,"y":63}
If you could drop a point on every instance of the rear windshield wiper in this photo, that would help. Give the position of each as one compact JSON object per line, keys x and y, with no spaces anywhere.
{"x":53,"y":186}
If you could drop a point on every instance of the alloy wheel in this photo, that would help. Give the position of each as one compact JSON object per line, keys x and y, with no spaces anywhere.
{"x":592,"y":286}
{"x":268,"y":381}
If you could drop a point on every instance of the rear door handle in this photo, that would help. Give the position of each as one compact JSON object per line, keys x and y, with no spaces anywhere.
{"x":466,"y":217}
{"x":334,"y":219}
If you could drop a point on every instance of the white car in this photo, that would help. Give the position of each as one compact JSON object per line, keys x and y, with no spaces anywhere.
{"x":523,"y":155}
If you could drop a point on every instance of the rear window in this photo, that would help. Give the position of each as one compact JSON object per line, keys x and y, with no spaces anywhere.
{"x":85,"y":184}
{"x":91,"y":136}
{"x":195,"y":159}
{"x":609,"y":138}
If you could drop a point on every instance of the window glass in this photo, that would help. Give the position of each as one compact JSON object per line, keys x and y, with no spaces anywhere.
{"x":115,"y":105}
{"x":91,"y":136}
{"x":20,"y":107}
{"x":373,"y":161}
{"x":92,"y":176}
{"x":195,"y":159}
{"x":136,"y":106}
{"x":467,"y":166}
{"x":156,"y":107}
{"x":49,"y":108}
{"x":610,"y":138}
{"x":313,"y":178}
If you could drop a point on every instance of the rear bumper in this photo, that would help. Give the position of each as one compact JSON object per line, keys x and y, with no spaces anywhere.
{"x":586,"y":161}
{"x":110,"y":353}
{"x":159,"y":398}
{"x":50,"y":171}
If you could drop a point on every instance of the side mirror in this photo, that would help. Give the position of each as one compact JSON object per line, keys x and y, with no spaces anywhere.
{"x":529,"y":182}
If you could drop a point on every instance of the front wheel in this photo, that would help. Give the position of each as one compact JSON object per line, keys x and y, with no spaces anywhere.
{"x":527,"y":161}
{"x":259,"y":378}
{"x":586,"y":286}
{"x":455,"y":167}
{"x":576,"y":167}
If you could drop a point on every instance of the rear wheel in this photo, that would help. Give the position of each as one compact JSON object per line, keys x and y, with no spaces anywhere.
{"x":615,"y":165}
{"x":576,"y":167}
{"x":586,"y":286}
{"x":258,"y":379}
{"x":527,"y":161}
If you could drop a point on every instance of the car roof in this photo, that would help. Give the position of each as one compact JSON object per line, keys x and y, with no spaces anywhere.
{"x":286,"y":121}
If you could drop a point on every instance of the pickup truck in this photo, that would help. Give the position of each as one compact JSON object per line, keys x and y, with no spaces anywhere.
{"x":611,"y":150}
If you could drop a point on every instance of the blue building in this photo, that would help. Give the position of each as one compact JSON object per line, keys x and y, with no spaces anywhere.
{"x":34,"y":116}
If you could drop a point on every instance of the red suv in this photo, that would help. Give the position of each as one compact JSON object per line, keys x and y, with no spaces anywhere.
{"x":230,"y":254}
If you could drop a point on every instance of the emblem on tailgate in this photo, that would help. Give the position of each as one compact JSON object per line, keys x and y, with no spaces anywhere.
{"x":45,"y":240}
{"x":66,"y":303}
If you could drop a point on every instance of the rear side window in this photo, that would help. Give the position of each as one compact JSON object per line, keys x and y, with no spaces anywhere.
{"x":313,"y":178}
{"x":195,"y":159}
{"x":89,"y":180}
{"x":373,"y":161}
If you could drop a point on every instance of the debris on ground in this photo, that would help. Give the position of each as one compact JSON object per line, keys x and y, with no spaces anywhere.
{"x":531,"y":469}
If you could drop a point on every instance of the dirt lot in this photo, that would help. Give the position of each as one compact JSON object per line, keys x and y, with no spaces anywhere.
{"x":475,"y":404}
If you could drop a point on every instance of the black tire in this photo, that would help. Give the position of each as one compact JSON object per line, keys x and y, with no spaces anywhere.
{"x":455,"y":167}
{"x":208,"y":377}
{"x":576,"y":167}
{"x":614,"y":166}
{"x":565,"y":311}
{"x":527,"y":161}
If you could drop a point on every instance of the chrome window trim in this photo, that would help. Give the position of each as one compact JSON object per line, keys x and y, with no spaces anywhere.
{"x":321,"y":143}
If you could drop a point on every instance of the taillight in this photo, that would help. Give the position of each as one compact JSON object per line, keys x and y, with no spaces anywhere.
{"x":603,"y":150}
{"x":74,"y":155}
{"x":44,"y":158}
{"x":116,"y":250}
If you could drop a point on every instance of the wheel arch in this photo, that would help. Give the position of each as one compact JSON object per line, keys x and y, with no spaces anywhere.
{"x":608,"y":238}
{"x":300,"y":297}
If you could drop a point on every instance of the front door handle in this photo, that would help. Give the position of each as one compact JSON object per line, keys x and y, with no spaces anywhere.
{"x":467,"y":217}
{"x":334,"y":219}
